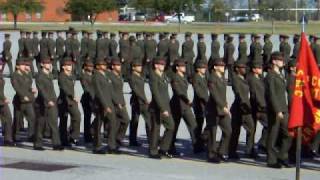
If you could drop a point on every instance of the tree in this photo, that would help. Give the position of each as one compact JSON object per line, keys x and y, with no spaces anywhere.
{"x":167,"y":6}
{"x":218,"y":9}
{"x":142,"y":5}
{"x":15,"y":7}
{"x":89,"y":8}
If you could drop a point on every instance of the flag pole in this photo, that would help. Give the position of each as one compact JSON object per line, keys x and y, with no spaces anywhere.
{"x":298,"y":153}
{"x":299,"y":129}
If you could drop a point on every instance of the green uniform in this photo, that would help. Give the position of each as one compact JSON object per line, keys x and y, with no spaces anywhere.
{"x":140,"y":44}
{"x":163,"y":48}
{"x":267,"y":50}
{"x":150,"y":53}
{"x":255,"y":52}
{"x":180,"y":105}
{"x":242,"y":49}
{"x":59,"y":53}
{"x":92,"y":50}
{"x":67,"y":105}
{"x":124,"y":54}
{"x":241,"y":116}
{"x":6,"y":54}
{"x":102,"y":101}
{"x":316,"y":52}
{"x":285,"y":48}
{"x":277,"y":102}
{"x":296,"y":49}
{"x":5,"y":114}
{"x":68,"y":47}
{"x":44,"y":51}
{"x":216,"y":117}
{"x":28,"y":47}
{"x":106,"y":44}
{"x":259,"y":105}
{"x":23,"y":86}
{"x":35,"y":47}
{"x":215,"y":52}
{"x":100,"y":46}
{"x":188,"y":55}
{"x":84,"y":48}
{"x":173,"y":54}
{"x":118,"y":100}
{"x":87,"y":103}
{"x":200,"y":99}
{"x":201,"y":48}
{"x":113,"y":48}
{"x":75,"y":54}
{"x":159,"y":104}
{"x":21,"y":50}
{"x":229,"y":59}
{"x":139,"y":105}
{"x":47,"y":113}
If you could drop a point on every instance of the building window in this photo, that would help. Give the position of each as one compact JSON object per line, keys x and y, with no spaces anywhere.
{"x":28,"y":17}
{"x":38,"y":15}
{"x":3,"y":17}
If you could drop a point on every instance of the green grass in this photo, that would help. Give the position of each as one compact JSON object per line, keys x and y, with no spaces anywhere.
{"x":251,"y":27}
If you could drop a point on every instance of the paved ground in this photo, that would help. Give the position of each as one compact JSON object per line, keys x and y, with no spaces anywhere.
{"x":79,"y":163}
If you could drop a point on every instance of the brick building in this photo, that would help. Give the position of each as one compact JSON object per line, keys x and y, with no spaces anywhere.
{"x":54,"y":12}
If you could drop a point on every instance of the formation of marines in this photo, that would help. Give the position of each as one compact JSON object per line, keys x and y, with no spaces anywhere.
{"x":262,"y":82}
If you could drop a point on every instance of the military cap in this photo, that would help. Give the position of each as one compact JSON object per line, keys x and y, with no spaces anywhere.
{"x":136,"y":62}
{"x":166,"y":33}
{"x":240,"y":64}
{"x":28,"y":32}
{"x":257,"y":36}
{"x":161,"y":36}
{"x":277,"y":56}
{"x":179,"y":62}
{"x":297,"y":35}
{"x":67,"y":61}
{"x":266,"y":36}
{"x":113,"y":34}
{"x":241,"y":36}
{"x":46,"y":61}
{"x":20,"y":61}
{"x":256,"y":64}
{"x":159,"y":60}
{"x":35,"y":32}
{"x":188,"y":34}
{"x":50,"y":32}
{"x":125,"y":33}
{"x":253,"y":35}
{"x":201,"y":64}
{"x":100,"y":61}
{"x":71,"y":28}
{"x":138,"y":34}
{"x":230,"y":38}
{"x":88,"y":63}
{"x":200,"y":36}
{"x":316,"y":38}
{"x":174,"y":34}
{"x":285,"y":36}
{"x":59,"y":31}
{"x":292,"y":63}
{"x":22,"y":31}
{"x":214,"y":35}
{"x":105,"y":32}
{"x":226,"y":35}
{"x":28,"y":61}
{"x":74,"y":32}
{"x":218,"y":62}
{"x":132,"y":39}
{"x":115,"y":61}
{"x":6,"y":35}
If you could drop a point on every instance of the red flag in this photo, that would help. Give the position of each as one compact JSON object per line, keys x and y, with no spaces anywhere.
{"x":305,"y":105}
